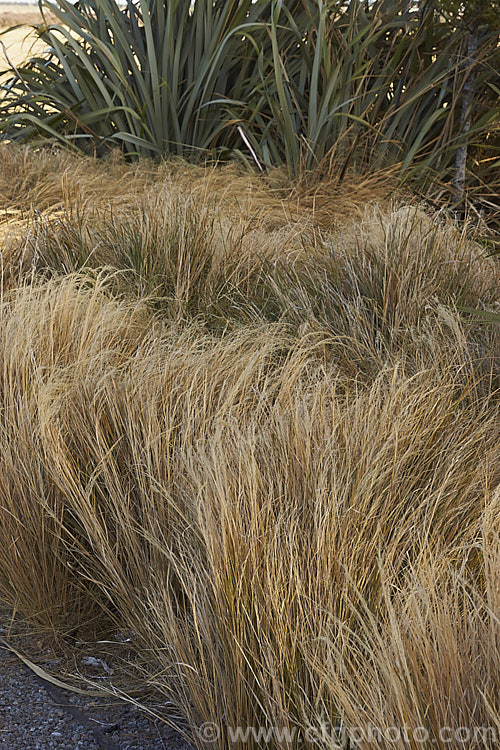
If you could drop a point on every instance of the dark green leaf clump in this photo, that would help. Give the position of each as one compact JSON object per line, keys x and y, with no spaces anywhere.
{"x":317,"y":85}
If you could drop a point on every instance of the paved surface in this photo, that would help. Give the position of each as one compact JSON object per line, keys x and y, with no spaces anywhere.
{"x":36,"y":715}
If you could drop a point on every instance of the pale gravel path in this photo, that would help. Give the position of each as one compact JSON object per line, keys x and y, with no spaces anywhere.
{"x":35,"y":715}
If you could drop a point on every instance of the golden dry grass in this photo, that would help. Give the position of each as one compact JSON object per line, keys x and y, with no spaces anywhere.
{"x":50,"y":179}
{"x":265,"y":442}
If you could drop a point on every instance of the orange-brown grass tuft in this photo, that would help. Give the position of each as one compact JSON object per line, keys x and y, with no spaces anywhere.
{"x":270,"y":453}
{"x":50,"y":178}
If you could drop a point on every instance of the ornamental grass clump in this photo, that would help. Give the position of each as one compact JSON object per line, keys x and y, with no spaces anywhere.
{"x":268,"y":454}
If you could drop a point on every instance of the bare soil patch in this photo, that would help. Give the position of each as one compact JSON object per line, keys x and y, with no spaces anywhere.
{"x":21,"y":42}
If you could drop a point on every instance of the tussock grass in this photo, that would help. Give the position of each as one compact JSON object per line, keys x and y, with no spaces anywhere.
{"x":269,"y":452}
{"x":53,"y":178}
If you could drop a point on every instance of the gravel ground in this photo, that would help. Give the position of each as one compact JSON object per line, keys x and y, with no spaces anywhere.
{"x":36,"y":715}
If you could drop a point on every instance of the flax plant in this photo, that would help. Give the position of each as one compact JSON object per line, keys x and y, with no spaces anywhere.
{"x":316,"y":85}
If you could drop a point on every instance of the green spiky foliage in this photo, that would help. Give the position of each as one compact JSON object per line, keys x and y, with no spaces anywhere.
{"x":318,"y":85}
